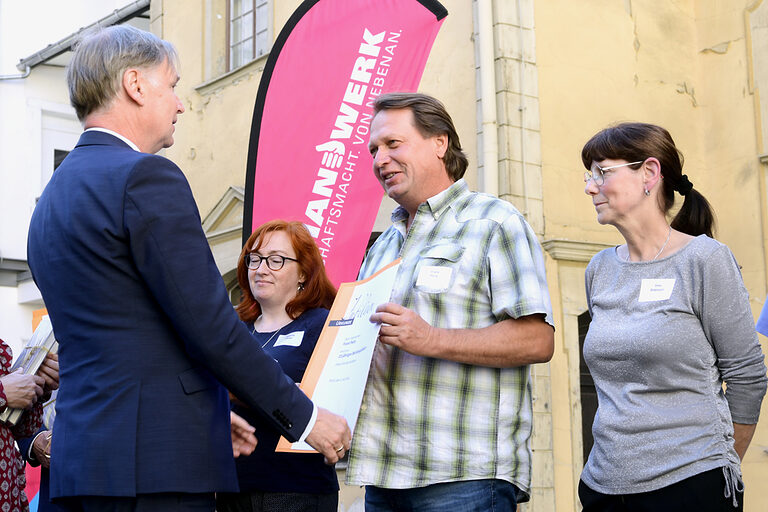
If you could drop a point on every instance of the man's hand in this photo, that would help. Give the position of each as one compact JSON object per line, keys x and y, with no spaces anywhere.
{"x":330,"y":436}
{"x":41,"y":448}
{"x":49,"y":371}
{"x":22,"y":390}
{"x":404,"y":328}
{"x":243,"y":438}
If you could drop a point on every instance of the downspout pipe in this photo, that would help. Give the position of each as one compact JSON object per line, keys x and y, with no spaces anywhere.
{"x":490,"y":175}
{"x":523,"y":168}
{"x":17,"y":76}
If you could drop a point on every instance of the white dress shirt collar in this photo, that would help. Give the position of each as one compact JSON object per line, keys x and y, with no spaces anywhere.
{"x":121,"y":137}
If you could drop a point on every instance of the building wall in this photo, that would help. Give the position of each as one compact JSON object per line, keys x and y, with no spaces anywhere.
{"x":36,"y":117}
{"x":562,"y":71}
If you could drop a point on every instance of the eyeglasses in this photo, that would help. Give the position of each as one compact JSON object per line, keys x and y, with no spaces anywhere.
{"x":597,"y":173}
{"x":274,"y":261}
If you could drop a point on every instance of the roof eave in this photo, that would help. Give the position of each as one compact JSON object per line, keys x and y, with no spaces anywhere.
{"x":135,"y":8}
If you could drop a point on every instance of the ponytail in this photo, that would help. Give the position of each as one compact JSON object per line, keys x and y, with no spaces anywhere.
{"x":695,"y":216}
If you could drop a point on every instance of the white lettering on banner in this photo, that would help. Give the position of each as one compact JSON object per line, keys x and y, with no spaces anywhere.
{"x":361,"y":131}
{"x":367,"y":78}
{"x":355,"y":93}
{"x":315,"y":211}
{"x":339,"y":202}
{"x":362,"y":70}
{"x":326,"y":178}
{"x":346,"y":115}
{"x":370,"y":43}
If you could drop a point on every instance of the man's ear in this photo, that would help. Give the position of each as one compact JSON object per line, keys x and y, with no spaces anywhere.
{"x":133,"y":85}
{"x":441,"y":145}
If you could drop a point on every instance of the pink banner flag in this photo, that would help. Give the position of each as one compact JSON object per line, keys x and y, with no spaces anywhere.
{"x":308,"y":158}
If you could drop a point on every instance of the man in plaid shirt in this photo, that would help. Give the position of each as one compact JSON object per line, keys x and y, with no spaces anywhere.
{"x":446,"y":417}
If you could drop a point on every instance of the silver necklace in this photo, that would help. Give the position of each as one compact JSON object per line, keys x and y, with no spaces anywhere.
{"x":270,"y":338}
{"x":660,"y":250}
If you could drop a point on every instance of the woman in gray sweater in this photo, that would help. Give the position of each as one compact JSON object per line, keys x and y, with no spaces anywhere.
{"x":670,"y":323}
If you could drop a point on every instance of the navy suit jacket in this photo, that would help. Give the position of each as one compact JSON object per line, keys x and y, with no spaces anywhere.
{"x":146,"y":332}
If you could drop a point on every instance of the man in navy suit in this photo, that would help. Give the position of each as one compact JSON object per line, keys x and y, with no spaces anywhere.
{"x":146,"y":331}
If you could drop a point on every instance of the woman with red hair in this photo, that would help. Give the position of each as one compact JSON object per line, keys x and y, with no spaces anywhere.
{"x":285,"y":299}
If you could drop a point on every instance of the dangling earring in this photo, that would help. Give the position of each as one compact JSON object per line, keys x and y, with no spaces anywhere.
{"x":301,"y":286}
{"x":647,"y":192}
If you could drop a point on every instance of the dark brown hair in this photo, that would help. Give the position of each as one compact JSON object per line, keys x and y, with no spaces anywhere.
{"x":639,"y":141}
{"x":318,"y":291}
{"x":430,"y":118}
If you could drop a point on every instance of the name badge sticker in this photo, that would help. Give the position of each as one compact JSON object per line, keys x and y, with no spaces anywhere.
{"x":434,"y":278}
{"x":652,"y":290}
{"x":290,"y":340}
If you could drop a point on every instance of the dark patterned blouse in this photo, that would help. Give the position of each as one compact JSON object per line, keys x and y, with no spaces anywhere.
{"x":12,"y":478}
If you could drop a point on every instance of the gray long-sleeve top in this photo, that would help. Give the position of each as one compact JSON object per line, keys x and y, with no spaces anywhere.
{"x":664,"y":336}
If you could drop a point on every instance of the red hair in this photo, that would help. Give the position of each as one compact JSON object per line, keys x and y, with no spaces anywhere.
{"x":318,"y":291}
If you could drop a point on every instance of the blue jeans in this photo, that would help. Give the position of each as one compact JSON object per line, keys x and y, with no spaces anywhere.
{"x":469,"y":496}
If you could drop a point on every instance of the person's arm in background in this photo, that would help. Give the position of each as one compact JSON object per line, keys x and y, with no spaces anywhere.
{"x":36,"y":449}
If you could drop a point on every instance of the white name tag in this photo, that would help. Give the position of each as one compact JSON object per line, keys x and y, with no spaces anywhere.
{"x":434,"y":278}
{"x":656,"y":289}
{"x":290,"y":340}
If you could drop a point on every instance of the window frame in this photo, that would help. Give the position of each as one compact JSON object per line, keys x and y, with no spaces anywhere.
{"x":256,"y":50}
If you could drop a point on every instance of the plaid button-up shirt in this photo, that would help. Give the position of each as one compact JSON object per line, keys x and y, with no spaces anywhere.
{"x":469,"y":260}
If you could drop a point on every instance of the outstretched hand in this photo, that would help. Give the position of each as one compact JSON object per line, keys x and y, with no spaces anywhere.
{"x":330,"y":436}
{"x":243,"y":438}
{"x":404,"y":328}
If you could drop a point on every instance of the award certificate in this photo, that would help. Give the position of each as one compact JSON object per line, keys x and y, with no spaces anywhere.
{"x":338,"y":369}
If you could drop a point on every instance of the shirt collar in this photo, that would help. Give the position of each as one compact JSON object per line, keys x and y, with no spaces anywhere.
{"x":440,"y":202}
{"x":437,"y":203}
{"x":114,"y":134}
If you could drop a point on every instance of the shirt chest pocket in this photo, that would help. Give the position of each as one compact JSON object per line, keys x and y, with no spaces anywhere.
{"x":438,"y":267}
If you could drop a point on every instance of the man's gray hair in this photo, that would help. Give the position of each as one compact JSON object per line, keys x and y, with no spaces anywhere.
{"x":95,"y":73}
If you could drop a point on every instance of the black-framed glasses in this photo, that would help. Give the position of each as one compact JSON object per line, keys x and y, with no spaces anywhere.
{"x":274,"y":261}
{"x":597,"y":173}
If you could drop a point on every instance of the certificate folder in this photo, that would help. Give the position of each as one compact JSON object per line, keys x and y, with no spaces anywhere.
{"x":30,"y":359}
{"x":338,"y":369}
